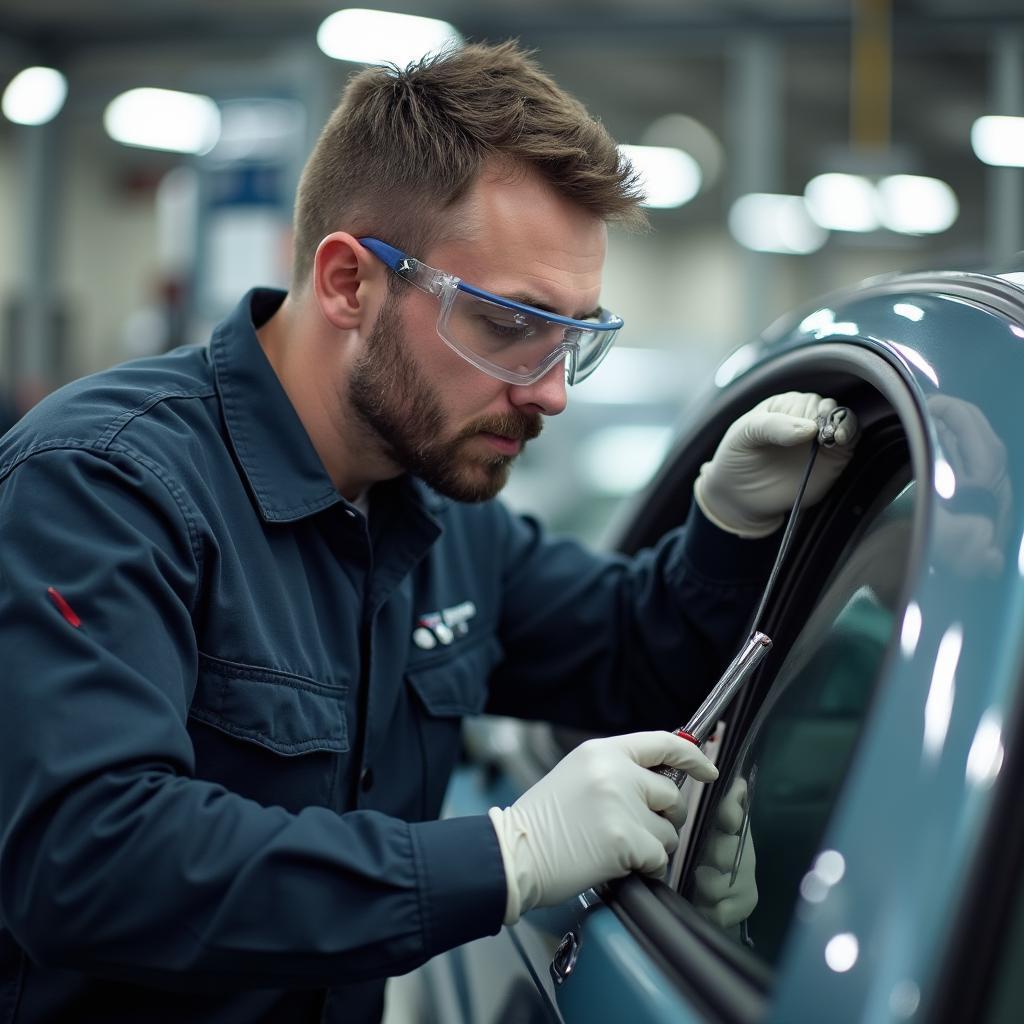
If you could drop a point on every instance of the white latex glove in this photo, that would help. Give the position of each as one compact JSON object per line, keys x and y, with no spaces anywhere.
{"x":598,"y":814}
{"x":752,"y":479}
{"x":719,"y":901}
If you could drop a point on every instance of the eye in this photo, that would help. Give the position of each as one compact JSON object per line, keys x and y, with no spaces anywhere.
{"x":511,"y":328}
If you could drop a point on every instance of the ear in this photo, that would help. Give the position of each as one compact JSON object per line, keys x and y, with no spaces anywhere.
{"x":341,"y":270}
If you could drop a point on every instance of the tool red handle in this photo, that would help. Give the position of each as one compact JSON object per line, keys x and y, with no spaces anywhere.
{"x":677,"y":775}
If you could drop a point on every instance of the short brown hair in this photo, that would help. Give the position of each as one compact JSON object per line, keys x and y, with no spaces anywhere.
{"x":404,"y":145}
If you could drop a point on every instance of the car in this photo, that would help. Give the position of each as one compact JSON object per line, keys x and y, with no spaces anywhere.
{"x":876,"y":757}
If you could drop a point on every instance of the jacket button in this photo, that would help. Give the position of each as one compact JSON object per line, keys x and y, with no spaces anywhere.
{"x":366,"y":779}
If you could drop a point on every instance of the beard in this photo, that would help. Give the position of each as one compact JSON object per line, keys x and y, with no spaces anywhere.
{"x":408,"y":417}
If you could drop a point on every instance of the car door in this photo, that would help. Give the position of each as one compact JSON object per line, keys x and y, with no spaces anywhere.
{"x":649,"y":951}
{"x":790,"y":738}
{"x":981,"y":978}
{"x":886,"y":728}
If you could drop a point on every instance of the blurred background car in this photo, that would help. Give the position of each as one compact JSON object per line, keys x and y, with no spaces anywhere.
{"x":877,"y":754}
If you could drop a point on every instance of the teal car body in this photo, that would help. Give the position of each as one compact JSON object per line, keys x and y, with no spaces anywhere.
{"x":887,"y":725}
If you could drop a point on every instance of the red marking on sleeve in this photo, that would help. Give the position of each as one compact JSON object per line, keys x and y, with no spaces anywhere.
{"x":686,"y":736}
{"x":63,"y":607}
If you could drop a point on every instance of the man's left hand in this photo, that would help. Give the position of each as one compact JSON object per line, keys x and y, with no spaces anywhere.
{"x":725,"y":890}
{"x":752,"y":479}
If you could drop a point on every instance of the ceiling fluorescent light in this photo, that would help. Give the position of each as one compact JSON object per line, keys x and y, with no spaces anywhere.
{"x":916,"y":205}
{"x":668,"y":176}
{"x":181,"y":122}
{"x":999,"y":140}
{"x":766,"y":222}
{"x":34,"y":96}
{"x":842,"y":202}
{"x":382,"y":37}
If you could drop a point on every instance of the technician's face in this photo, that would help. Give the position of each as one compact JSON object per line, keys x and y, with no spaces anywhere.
{"x":439,"y":416}
{"x":407,"y":412}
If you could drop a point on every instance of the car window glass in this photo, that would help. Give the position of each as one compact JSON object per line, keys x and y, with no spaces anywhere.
{"x":1006,"y":999}
{"x":769,"y":813}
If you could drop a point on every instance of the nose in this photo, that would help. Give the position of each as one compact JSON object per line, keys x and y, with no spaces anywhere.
{"x":546,"y":396}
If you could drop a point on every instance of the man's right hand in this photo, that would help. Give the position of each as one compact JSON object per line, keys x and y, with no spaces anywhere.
{"x":598,"y":814}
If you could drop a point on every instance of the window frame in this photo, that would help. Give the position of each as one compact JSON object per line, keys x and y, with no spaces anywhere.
{"x":818,"y":544}
{"x":726,"y":980}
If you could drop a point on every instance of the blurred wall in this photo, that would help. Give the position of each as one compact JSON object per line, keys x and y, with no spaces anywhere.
{"x":776,"y":96}
{"x":108,"y":245}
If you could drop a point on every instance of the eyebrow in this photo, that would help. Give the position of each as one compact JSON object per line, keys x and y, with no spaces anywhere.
{"x":531,"y":300}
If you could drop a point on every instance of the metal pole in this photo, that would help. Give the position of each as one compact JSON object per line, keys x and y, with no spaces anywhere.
{"x":754,"y":102}
{"x":37,"y":359}
{"x":1006,"y":184}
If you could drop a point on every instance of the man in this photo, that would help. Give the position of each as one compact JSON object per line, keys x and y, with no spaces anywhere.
{"x":249,"y":592}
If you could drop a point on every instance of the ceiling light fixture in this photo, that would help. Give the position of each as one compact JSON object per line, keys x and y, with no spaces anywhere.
{"x":842,"y":202}
{"x":668,"y":176}
{"x":999,"y":140}
{"x":383,"y":37}
{"x":910,"y":204}
{"x":766,"y":222}
{"x":34,"y":96}
{"x":916,"y":205}
{"x":181,"y":122}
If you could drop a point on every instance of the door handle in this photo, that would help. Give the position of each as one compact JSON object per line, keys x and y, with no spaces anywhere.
{"x":564,"y":961}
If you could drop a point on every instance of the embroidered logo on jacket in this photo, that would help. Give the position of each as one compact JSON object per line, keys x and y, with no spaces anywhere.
{"x":444,"y":626}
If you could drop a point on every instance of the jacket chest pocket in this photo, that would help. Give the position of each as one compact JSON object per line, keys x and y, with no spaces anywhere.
{"x":444,"y":692}
{"x":267,"y":735}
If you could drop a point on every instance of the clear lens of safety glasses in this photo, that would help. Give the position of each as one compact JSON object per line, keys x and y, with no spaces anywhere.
{"x":511,"y":341}
{"x":517,"y":345}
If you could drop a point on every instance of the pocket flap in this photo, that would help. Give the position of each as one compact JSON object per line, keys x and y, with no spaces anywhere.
{"x":285,"y":713}
{"x":458,"y":684}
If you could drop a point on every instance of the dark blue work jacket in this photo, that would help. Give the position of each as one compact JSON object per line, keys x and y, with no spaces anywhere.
{"x":230,"y":704}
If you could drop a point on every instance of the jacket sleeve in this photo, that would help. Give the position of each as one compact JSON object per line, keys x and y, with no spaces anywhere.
{"x":114,"y":858}
{"x":612,"y":644}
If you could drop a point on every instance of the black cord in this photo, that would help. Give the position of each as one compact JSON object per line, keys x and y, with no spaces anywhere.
{"x":787,"y":536}
{"x":825,"y":438}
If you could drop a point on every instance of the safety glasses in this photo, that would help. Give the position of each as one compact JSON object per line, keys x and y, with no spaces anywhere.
{"x":509,"y":340}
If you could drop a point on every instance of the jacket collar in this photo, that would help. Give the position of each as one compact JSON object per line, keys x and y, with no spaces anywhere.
{"x":284,"y":472}
{"x":283,"y":469}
